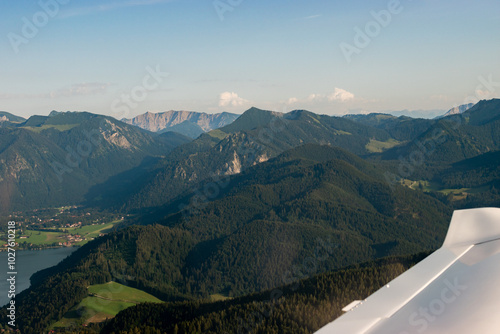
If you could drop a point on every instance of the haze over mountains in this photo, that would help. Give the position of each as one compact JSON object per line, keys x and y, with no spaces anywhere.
{"x":239,"y":207}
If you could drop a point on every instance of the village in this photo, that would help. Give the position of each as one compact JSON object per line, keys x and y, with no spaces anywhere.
{"x":59,"y":227}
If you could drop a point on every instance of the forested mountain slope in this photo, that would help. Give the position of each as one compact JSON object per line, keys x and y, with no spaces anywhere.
{"x":54,"y":160}
{"x":262,"y":227}
{"x":253,"y":138}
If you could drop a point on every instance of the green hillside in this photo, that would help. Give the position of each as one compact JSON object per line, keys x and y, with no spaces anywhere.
{"x":254,"y":137}
{"x":10,"y":118}
{"x":401,"y":128}
{"x":302,"y":307}
{"x":267,"y":220}
{"x":55,"y":160}
{"x":187,"y":128}
{"x":283,"y":197}
{"x":457,"y":137}
{"x":104,"y":301}
{"x":276,"y":211}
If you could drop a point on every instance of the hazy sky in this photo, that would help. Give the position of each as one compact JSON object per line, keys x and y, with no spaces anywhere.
{"x":332,"y":57}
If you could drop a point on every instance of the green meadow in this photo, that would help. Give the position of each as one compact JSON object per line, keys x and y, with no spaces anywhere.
{"x":44,"y":238}
{"x":104,"y":302}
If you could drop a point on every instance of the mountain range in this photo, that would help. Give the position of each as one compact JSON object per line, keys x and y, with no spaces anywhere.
{"x":132,"y":169}
{"x":258,"y":230}
{"x":188,"y":123}
{"x":255,"y":137}
{"x":245,"y":208}
{"x":55,"y":160}
{"x":455,"y":137}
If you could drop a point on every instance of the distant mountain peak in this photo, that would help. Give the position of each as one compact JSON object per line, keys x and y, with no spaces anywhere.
{"x":296,"y":114}
{"x":55,"y":113}
{"x":189,"y":123}
{"x":255,"y":110}
{"x":250,"y":119}
{"x":457,"y":110}
{"x":8,"y":117}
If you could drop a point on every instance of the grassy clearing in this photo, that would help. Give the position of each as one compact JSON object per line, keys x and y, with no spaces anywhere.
{"x":456,"y":194}
{"x":109,"y":307}
{"x":217,"y":134}
{"x":422,"y":185}
{"x":41,"y":238}
{"x":218,"y":297}
{"x":91,"y":309}
{"x":340,"y":132}
{"x":117,"y":291}
{"x":90,"y":232}
{"x":104,"y":302}
{"x":376,"y":146}
{"x":62,"y":127}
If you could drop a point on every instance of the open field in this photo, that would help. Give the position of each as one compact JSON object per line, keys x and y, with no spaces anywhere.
{"x":117,"y":291}
{"x":458,"y":194}
{"x":104,"y":302}
{"x":62,"y":127}
{"x":217,"y":134}
{"x":376,"y":146}
{"x":218,"y":297}
{"x":91,"y":231}
{"x":41,"y":238}
{"x":86,"y":233}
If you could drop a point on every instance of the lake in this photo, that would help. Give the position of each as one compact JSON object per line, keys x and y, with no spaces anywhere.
{"x":28,"y":263}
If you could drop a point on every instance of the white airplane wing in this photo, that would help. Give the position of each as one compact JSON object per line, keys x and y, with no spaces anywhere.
{"x":454,"y":290}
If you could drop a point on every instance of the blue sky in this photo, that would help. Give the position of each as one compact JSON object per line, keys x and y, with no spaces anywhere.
{"x":101,"y":55}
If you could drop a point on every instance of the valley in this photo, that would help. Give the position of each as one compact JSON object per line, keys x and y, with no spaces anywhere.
{"x":262,"y":206}
{"x":68,"y":237}
{"x":249,"y":167}
{"x":60,"y":227}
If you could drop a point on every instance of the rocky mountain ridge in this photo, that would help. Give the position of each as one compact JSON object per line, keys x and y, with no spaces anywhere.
{"x":193,"y":123}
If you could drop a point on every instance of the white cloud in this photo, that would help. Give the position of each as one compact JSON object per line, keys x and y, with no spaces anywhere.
{"x":338,"y":95}
{"x":484,"y":94}
{"x":341,"y":95}
{"x":315,"y":97}
{"x":231,"y":99}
